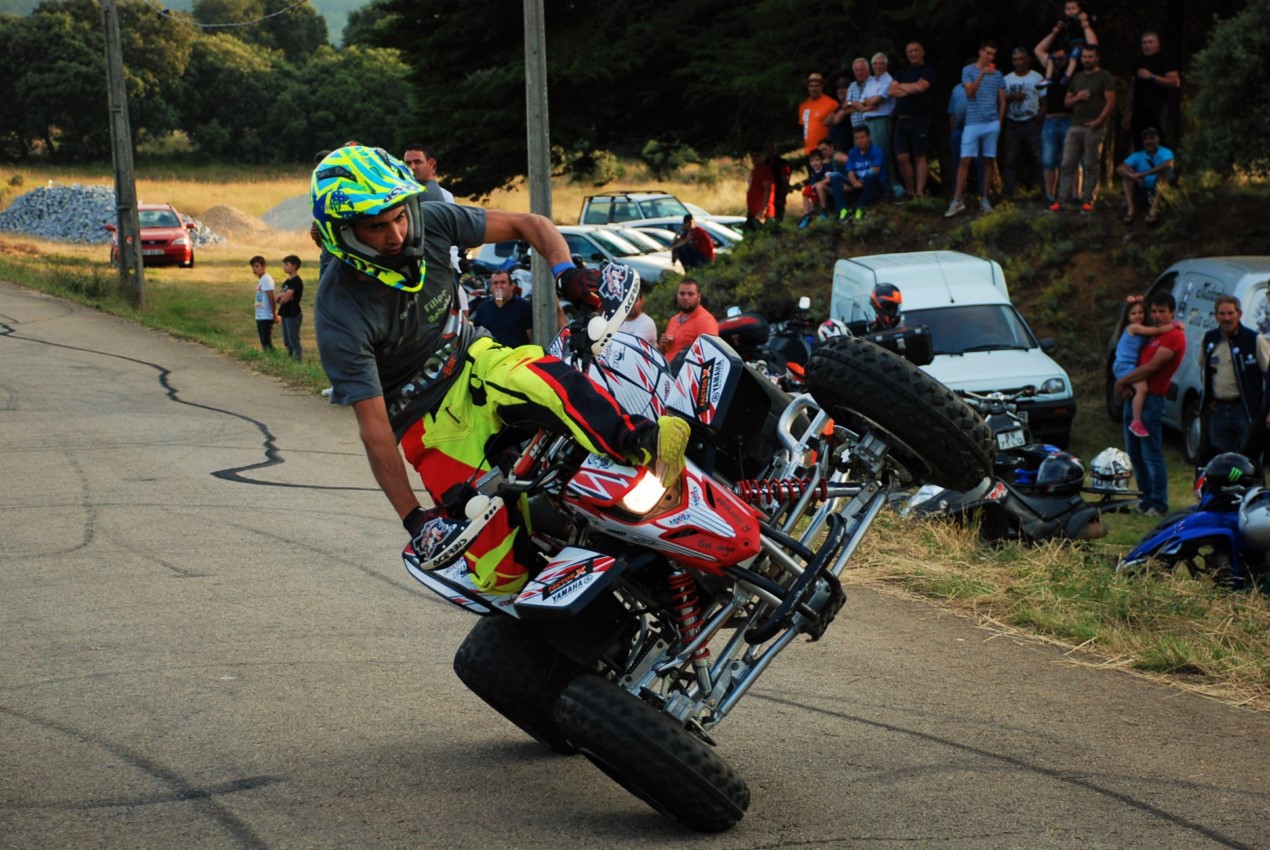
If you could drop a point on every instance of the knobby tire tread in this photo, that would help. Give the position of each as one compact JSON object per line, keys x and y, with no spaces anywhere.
{"x":518,"y":675}
{"x":651,"y":755}
{"x":940,"y":439}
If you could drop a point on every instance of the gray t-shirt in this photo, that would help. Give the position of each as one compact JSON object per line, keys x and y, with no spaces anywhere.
{"x":407,"y":347}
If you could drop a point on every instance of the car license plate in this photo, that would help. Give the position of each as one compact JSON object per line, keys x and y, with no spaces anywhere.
{"x":152,"y":252}
{"x":1010,"y":439}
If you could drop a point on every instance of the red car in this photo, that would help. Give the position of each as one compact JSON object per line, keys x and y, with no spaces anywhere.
{"x":165,"y":237}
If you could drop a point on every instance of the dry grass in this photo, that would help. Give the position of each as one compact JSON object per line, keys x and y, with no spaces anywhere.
{"x":726,"y":196}
{"x":1167,"y":627}
{"x":256,"y":191}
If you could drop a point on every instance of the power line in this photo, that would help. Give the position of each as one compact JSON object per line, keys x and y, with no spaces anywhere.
{"x":166,"y":13}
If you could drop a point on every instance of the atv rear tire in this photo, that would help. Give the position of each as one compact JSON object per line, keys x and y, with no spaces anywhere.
{"x":932,"y":433}
{"x":518,"y":675}
{"x":650,"y":755}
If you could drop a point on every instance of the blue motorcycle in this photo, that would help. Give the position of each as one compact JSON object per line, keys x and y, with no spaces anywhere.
{"x":1224,"y":537}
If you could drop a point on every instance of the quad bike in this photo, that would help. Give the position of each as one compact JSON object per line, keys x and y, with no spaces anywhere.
{"x":653,"y":609}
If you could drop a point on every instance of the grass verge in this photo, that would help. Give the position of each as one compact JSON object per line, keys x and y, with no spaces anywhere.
{"x":213,"y":308}
{"x":1168,"y":626}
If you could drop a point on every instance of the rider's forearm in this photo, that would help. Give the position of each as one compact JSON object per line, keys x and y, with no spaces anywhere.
{"x":384,"y":457}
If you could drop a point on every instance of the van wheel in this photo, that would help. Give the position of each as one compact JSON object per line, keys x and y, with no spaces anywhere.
{"x":1191,"y":430}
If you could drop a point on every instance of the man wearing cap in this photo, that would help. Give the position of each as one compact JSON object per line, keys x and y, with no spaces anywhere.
{"x":813,"y":111}
{"x":1140,"y":174}
{"x":692,"y":246}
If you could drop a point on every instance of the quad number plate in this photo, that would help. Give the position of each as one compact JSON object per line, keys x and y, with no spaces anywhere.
{"x":1010,"y":439}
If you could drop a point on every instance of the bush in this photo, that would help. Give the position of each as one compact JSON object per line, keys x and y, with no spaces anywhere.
{"x":1231,"y":108}
{"x":664,"y":159}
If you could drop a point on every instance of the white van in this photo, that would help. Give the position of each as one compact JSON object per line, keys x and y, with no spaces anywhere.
{"x":1195,"y":285}
{"x":981,"y":341}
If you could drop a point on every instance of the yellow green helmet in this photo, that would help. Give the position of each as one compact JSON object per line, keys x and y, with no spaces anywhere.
{"x":357,"y":182}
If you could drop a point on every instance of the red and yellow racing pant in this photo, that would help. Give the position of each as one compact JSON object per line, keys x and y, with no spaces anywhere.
{"x":498,"y":386}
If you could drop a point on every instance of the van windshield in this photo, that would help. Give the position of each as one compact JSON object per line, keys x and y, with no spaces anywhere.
{"x":973,"y":327}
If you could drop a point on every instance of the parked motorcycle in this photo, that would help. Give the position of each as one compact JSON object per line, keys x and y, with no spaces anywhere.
{"x":1034,"y":492}
{"x":1224,"y":537}
{"x":779,"y":351}
{"x":652,"y":610}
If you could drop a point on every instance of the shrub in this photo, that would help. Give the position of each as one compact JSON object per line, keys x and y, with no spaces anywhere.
{"x":664,"y":159}
{"x":1231,"y":108}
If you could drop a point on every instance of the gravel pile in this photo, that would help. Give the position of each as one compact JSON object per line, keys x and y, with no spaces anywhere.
{"x":294,"y":213}
{"x":74,"y":213}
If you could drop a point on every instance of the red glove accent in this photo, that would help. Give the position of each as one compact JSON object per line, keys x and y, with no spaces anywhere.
{"x":580,"y":286}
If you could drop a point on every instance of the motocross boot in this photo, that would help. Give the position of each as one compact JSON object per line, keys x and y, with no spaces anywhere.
{"x":664,"y":448}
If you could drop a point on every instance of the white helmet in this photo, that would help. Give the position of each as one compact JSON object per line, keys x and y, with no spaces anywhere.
{"x":1110,"y":471}
{"x":1254,"y":518}
{"x":831,"y":328}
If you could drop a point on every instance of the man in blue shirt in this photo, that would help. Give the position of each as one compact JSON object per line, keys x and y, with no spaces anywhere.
{"x":985,"y":105}
{"x":865,"y":174}
{"x":505,"y":315}
{"x":1140,"y":175}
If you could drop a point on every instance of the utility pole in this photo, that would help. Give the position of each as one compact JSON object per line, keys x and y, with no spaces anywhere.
{"x":131,"y":271}
{"x":539,"y":169}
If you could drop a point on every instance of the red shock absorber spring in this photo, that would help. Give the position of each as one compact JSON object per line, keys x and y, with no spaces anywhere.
{"x":687,"y":608}
{"x":756,"y":491}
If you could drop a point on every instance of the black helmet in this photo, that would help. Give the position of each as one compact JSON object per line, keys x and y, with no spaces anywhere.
{"x":1060,"y":474}
{"x":1229,"y":472}
{"x":886,"y":301}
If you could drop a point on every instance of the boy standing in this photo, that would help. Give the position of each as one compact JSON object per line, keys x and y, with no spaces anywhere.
{"x":289,"y":306}
{"x":266,"y":303}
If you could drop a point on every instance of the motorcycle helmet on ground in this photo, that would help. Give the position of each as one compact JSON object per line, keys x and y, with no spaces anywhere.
{"x":1060,"y":474}
{"x":1111,"y":471}
{"x":1254,"y":518}
{"x":1230,"y":473}
{"x":357,"y":182}
{"x":831,"y":328}
{"x":886,"y":300}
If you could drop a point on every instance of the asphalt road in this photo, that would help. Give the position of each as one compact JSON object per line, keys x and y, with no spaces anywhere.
{"x":207,"y":641}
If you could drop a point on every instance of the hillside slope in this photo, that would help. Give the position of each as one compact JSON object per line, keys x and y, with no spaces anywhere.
{"x":1068,"y":273}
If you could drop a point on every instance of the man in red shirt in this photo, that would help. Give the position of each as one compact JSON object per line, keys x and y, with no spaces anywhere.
{"x":693,"y":246}
{"x":692,"y":321}
{"x":760,"y":198}
{"x":1160,"y":357}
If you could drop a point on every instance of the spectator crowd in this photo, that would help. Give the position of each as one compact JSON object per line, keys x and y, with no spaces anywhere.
{"x":871,"y":136}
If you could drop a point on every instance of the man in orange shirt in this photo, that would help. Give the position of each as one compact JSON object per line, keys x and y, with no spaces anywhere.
{"x":692,"y":321}
{"x":813,"y":111}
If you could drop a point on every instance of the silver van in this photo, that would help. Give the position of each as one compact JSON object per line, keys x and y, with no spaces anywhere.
{"x":981,"y":341}
{"x":1195,"y":285}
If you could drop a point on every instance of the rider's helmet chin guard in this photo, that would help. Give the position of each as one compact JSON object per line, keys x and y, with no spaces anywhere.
{"x":831,"y":328}
{"x":357,"y":182}
{"x":1111,"y":471}
{"x":1254,"y":518}
{"x":1060,"y":474}
{"x":1230,"y":473}
{"x":886,"y":300}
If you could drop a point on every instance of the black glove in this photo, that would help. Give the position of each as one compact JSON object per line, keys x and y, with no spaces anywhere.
{"x":417,"y":518}
{"x":579,"y":286}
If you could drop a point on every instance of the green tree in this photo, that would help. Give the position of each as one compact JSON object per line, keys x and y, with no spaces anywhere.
{"x":227,"y":94}
{"x":363,"y":23}
{"x":52,"y":87}
{"x":297,"y":31}
{"x":356,"y":93}
{"x":1230,"y":112}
